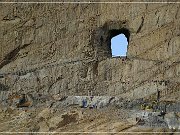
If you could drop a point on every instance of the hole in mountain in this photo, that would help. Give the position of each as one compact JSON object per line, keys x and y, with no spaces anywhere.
{"x":119,"y":42}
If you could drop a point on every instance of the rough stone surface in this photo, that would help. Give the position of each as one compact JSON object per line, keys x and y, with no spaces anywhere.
{"x":64,"y":49}
{"x":54,"y":53}
{"x":172,"y":121}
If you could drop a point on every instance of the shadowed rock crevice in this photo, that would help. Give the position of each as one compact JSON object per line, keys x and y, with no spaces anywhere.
{"x":141,"y":25}
{"x":11,"y":56}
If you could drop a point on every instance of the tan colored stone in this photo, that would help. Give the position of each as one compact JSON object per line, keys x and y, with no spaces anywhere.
{"x":43,"y":127}
{"x":64,"y":49}
{"x":45,"y":113}
{"x":56,"y":50}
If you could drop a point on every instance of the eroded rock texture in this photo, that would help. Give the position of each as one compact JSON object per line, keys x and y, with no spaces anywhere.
{"x":49,"y":49}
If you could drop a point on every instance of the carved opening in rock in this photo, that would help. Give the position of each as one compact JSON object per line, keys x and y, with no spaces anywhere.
{"x":119,"y":42}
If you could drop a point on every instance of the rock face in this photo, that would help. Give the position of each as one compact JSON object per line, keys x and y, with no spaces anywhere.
{"x":49,"y":49}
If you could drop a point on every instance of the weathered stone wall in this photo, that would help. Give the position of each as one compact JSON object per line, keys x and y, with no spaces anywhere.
{"x":64,"y":48}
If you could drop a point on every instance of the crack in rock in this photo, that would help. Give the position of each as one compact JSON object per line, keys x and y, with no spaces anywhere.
{"x":141,"y":25}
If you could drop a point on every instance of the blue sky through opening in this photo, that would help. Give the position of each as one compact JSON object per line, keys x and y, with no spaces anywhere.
{"x":119,"y":45}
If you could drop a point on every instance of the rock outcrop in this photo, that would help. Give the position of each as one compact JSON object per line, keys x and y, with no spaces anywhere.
{"x":64,"y":49}
{"x":56,"y":54}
